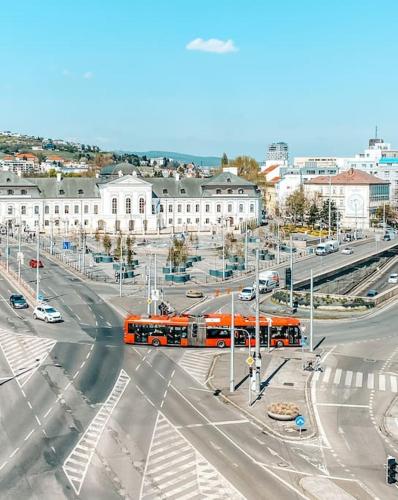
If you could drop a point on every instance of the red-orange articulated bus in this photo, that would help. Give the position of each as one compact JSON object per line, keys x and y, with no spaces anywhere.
{"x":211,"y":330}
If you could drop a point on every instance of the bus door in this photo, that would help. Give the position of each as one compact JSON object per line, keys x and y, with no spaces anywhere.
{"x":197,"y":332}
{"x":294,"y":335}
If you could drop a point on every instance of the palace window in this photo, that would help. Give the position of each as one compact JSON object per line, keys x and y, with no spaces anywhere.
{"x":114,"y":206}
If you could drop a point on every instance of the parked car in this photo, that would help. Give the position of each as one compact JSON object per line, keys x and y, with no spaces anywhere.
{"x":393,"y":278}
{"x":34,"y":263}
{"x":194,"y":294}
{"x":18,"y":301}
{"x":247,"y":293}
{"x":47,"y":313}
{"x":387,"y":237}
{"x":372,"y":293}
{"x":347,"y":251}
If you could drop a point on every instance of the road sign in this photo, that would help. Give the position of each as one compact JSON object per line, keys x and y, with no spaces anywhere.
{"x":66,"y":245}
{"x":299,"y":421}
{"x":250,"y":360}
{"x":20,"y":256}
{"x":155,"y":295}
{"x":149,"y":301}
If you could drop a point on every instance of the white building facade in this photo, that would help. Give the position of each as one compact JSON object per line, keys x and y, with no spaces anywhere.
{"x":357,"y":195}
{"x":127,"y":203}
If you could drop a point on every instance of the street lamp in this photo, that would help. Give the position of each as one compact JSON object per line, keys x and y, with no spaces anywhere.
{"x":38,"y":261}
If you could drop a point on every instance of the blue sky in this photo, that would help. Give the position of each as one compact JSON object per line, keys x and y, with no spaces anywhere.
{"x":319,"y":75}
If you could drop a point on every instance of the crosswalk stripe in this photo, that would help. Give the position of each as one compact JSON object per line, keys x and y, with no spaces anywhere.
{"x":371,"y":381}
{"x":393,"y":383}
{"x":337,"y":376}
{"x":327,"y":374}
{"x":382,"y":382}
{"x":348,"y":378}
{"x":359,"y":379}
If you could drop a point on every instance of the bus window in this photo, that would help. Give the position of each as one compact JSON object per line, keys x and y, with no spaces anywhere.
{"x":217,"y":333}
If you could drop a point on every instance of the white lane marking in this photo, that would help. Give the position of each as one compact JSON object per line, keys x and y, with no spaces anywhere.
{"x":48,"y":412}
{"x":24,"y":353}
{"x":371,"y":381}
{"x":348,"y":378}
{"x":94,"y":430}
{"x":238,"y":447}
{"x":393,"y":383}
{"x":174,"y":468}
{"x":14,"y":452}
{"x":382,"y":383}
{"x":337,"y":376}
{"x":28,"y":435}
{"x":359,"y":379}
{"x":342,"y":405}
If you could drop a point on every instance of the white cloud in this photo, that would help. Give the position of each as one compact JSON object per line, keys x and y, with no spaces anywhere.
{"x":87,"y":75}
{"x":66,"y":72}
{"x":212,"y":45}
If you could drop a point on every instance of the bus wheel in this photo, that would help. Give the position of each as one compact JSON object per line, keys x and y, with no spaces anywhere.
{"x":156,"y":342}
{"x":279,"y":343}
{"x":221,"y":344}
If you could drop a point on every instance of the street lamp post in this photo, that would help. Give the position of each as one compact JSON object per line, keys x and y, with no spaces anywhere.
{"x":330,"y":206}
{"x":231,"y":377}
{"x":311,"y":312}
{"x":19,"y":252}
{"x":7,"y":247}
{"x":223,"y":251}
{"x":291,"y":269}
{"x":258,"y":353}
{"x":38,"y":261}
{"x":121,"y":266}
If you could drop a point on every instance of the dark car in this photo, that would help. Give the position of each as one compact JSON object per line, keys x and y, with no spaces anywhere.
{"x":34,"y":263}
{"x":386,"y":237}
{"x":18,"y":301}
{"x":372,"y":293}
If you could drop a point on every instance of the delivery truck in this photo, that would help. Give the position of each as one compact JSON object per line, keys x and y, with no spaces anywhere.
{"x":327,"y":247}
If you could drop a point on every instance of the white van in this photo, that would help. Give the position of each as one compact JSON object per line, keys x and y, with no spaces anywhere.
{"x":327,"y":247}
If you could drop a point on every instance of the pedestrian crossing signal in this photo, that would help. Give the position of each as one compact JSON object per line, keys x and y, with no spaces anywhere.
{"x":288,"y":277}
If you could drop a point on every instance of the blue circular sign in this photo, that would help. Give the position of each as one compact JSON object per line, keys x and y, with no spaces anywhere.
{"x":299,"y":421}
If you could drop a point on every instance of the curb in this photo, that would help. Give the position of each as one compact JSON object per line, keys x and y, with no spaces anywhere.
{"x":263,"y":425}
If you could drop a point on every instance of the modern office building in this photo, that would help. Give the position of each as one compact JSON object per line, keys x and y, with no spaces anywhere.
{"x":277,"y":151}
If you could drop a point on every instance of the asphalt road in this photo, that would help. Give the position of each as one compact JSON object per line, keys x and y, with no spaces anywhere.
{"x":167,"y":435}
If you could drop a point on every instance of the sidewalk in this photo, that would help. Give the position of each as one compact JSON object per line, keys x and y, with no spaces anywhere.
{"x":283,"y":380}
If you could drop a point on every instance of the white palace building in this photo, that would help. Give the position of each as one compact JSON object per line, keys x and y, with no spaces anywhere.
{"x":120,"y":200}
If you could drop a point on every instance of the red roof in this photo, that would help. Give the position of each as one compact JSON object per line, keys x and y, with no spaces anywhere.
{"x":351,"y":176}
{"x":28,"y":156}
{"x":269,"y":169}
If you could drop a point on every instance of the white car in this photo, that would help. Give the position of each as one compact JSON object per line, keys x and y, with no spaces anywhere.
{"x":347,"y":251}
{"x":47,"y":313}
{"x":393,"y":278}
{"x":247,"y":293}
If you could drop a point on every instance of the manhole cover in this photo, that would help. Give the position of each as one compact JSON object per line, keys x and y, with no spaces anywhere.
{"x":369,"y":360}
{"x":291,"y":384}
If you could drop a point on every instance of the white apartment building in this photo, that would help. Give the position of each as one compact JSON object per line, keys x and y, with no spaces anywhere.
{"x":357,"y":195}
{"x":17,"y":165}
{"x":128,"y":203}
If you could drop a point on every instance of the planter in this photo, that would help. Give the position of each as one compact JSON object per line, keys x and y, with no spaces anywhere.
{"x":168,"y":270}
{"x":240,"y":267}
{"x":130,"y":274}
{"x":283,"y":411}
{"x":188,"y":263}
{"x":107,"y":259}
{"x":181,"y":278}
{"x":169,"y":277}
{"x":218,"y":273}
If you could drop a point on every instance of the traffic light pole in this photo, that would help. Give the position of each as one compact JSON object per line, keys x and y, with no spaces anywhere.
{"x":258,"y":354}
{"x":311,"y":312}
{"x":231,"y":375}
{"x":291,"y":269}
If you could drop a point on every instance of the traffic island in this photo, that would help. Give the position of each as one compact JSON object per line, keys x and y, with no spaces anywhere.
{"x":282,"y":379}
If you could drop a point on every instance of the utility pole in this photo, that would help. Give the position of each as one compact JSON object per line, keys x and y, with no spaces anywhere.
{"x":38,"y":261}
{"x":223,"y":251}
{"x":384,"y":216}
{"x":155,"y":286}
{"x":7,"y":247}
{"x":19,"y":252}
{"x":278,"y":251}
{"x":291,"y":269}
{"x":269,"y":334}
{"x":121,"y":272}
{"x":330,"y":206}
{"x":84,"y":252}
{"x":231,"y":375}
{"x":258,"y":354}
{"x":246,"y":251}
{"x":148,"y":309}
{"x":311,"y":312}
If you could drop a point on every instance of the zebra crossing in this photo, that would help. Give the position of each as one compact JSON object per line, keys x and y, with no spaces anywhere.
{"x":174,"y":469}
{"x":197,"y":364}
{"x":76,"y":465}
{"x":357,"y":380}
{"x":24,"y":353}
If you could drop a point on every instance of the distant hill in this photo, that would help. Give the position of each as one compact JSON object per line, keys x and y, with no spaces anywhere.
{"x":205,"y":161}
